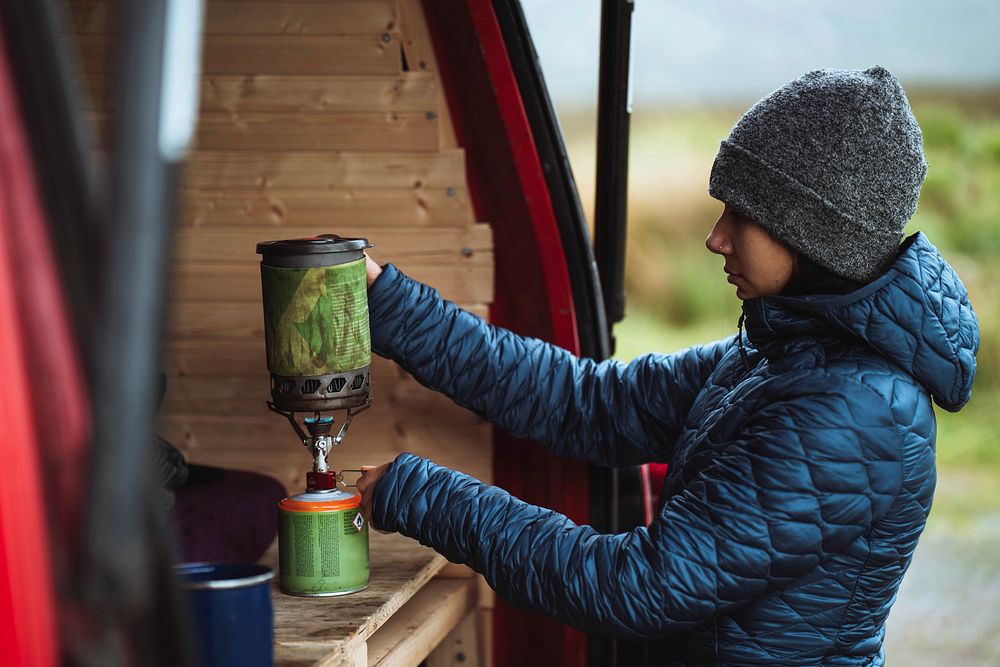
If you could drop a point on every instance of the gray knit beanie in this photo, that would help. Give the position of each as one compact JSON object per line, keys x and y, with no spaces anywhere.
{"x":831,"y":164}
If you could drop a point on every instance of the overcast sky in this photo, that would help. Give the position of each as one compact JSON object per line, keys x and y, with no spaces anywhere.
{"x":739,"y":50}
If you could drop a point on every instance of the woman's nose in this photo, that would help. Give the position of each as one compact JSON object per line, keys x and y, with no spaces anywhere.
{"x":718,"y":240}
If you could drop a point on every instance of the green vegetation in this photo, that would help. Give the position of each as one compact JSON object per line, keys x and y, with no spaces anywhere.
{"x":677,"y":295}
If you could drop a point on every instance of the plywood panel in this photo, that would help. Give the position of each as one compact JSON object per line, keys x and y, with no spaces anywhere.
{"x":256,"y":131}
{"x":236,"y":243}
{"x":469,"y":282}
{"x":263,"y":18}
{"x":271,"y":210}
{"x":228,"y":170}
{"x":274,"y":54}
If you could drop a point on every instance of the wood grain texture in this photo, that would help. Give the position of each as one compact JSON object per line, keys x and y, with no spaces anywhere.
{"x":410,"y":91}
{"x":417,"y":421}
{"x":327,"y":631}
{"x":461,"y":647}
{"x":244,"y":396}
{"x":417,"y":43}
{"x":419,"y":52}
{"x":262,"y":18}
{"x":242,"y":358}
{"x":334,"y":170}
{"x":270,"y":210}
{"x":239,"y":243}
{"x":257,"y":131}
{"x":413,"y":632}
{"x":463,"y":282}
{"x":224,"y":321}
{"x":272,"y":54}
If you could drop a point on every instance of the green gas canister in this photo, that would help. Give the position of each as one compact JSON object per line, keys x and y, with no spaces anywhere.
{"x":323,"y":544}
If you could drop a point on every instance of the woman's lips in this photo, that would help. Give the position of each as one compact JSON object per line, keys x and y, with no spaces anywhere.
{"x":733,"y":277}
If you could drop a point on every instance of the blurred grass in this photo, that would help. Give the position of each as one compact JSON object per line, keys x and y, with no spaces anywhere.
{"x":677,"y":295}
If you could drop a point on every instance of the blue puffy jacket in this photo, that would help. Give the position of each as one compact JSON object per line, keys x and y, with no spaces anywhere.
{"x":801,"y":467}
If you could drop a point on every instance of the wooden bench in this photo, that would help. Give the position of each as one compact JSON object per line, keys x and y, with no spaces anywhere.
{"x":414,"y":602}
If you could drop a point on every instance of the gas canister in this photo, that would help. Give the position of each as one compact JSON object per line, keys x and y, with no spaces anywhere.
{"x":323,"y":544}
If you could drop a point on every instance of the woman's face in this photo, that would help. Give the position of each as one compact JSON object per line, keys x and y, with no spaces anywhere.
{"x":756,"y":262}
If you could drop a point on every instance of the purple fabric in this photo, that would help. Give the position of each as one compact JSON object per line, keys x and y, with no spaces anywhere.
{"x":226,"y":515}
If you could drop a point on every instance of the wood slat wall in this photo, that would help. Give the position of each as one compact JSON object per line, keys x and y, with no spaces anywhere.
{"x":309,"y":123}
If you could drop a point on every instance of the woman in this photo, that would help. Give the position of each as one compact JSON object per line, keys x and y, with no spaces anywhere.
{"x":801,"y":453}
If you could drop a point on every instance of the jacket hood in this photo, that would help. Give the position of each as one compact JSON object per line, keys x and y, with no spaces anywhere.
{"x":917,"y":315}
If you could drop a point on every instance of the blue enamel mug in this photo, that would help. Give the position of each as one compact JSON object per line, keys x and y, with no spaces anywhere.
{"x":233,"y":617}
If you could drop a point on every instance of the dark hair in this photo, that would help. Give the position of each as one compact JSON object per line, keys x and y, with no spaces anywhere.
{"x":808,"y":277}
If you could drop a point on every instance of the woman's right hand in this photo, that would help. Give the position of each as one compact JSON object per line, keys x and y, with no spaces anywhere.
{"x":372,"y":270}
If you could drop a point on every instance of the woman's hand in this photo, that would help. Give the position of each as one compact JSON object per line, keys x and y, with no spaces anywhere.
{"x":372,"y":270}
{"x":366,"y":486}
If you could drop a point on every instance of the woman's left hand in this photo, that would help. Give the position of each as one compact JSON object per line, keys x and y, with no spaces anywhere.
{"x":366,"y":487}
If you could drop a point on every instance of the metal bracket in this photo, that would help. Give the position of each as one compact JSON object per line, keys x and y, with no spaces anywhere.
{"x":351,"y":412}
{"x":290,"y":416}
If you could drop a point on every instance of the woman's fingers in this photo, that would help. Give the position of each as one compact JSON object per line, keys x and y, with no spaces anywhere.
{"x":372,"y":270}
{"x":366,"y":484}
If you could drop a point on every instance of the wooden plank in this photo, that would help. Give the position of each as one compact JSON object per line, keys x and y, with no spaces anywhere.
{"x":300,"y":18}
{"x":450,"y":436}
{"x":461,"y":647}
{"x":218,"y":320}
{"x":272,"y":54}
{"x":375,"y":131}
{"x":487,"y":596}
{"x":245,"y":396}
{"x":467,"y":282}
{"x":303,"y":627}
{"x":223,"y":321}
{"x":269,"y":210}
{"x":407,"y":92}
{"x":417,"y":43}
{"x":413,"y":632}
{"x":236,"y":358}
{"x":238,"y":244}
{"x":485,"y":617}
{"x":229,"y":170}
{"x":410,"y":91}
{"x":286,"y":460}
{"x":418,"y":50}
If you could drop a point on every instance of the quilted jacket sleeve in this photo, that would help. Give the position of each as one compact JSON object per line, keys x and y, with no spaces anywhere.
{"x":608,"y":413}
{"x":808,"y":476}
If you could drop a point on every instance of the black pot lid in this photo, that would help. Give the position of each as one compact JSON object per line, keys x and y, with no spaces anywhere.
{"x":314,"y":245}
